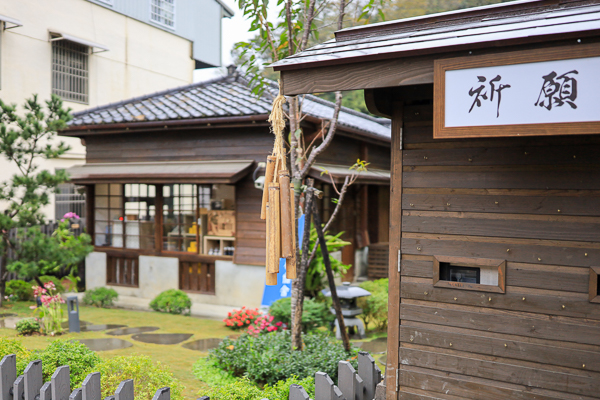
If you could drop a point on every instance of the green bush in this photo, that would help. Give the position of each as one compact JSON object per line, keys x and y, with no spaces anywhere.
{"x":269,"y":358}
{"x":375,"y":307}
{"x":314,"y":314}
{"x":147,"y":376}
{"x":47,"y":278}
{"x":20,"y":290}
{"x":14,"y":346}
{"x":27,"y":326}
{"x":80,"y":359}
{"x":244,"y":389}
{"x":100,"y":297}
{"x":207,"y":371}
{"x":172,"y":301}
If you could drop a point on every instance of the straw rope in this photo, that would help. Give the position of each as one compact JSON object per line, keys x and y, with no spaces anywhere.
{"x":277,"y":120}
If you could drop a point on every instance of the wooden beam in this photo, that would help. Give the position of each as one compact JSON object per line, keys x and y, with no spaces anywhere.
{"x":364,"y":75}
{"x":392,"y":368}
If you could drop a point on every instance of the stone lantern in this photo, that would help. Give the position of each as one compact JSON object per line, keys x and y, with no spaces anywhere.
{"x":350,"y":310}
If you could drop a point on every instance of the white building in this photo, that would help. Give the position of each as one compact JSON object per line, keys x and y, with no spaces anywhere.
{"x":92,"y":52}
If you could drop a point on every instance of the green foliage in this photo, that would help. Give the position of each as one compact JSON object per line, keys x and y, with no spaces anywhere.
{"x":172,"y":301}
{"x":100,"y":297}
{"x":207,"y":371}
{"x":20,"y":290}
{"x":39,"y":254}
{"x":375,"y":307}
{"x":14,"y":346}
{"x":27,"y":326}
{"x":26,"y":137}
{"x":316,"y":278}
{"x":80,"y":359}
{"x":147,"y":376}
{"x":353,"y":99}
{"x":244,"y":389}
{"x":269,"y":358}
{"x":315,"y":314}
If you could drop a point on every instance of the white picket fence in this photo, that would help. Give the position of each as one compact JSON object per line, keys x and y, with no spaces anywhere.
{"x":352,"y":385}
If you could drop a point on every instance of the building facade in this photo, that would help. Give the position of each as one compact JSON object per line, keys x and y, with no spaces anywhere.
{"x":92,"y":52}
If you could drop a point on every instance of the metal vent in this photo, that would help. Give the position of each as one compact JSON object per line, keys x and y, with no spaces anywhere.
{"x":70,"y":71}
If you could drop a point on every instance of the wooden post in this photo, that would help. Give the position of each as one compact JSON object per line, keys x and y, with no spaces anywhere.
{"x":91,"y":387}
{"x":61,"y":383}
{"x":334,"y":297}
{"x":290,"y":270}
{"x":270,"y":170}
{"x":286,"y":215}
{"x":8,"y":374}
{"x":158,"y":219}
{"x":33,"y":379}
{"x":274,"y":222}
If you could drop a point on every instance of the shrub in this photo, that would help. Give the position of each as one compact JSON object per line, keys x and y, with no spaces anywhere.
{"x":265,"y":324}
{"x":207,"y":371}
{"x":244,"y":389}
{"x":314,"y":314}
{"x":375,"y":307}
{"x":14,"y":346}
{"x":49,"y":278}
{"x":80,"y":359}
{"x":241,"y":319}
{"x":20,"y":290}
{"x":269,"y":358}
{"x":27,"y":326}
{"x":147,"y":376}
{"x":100,"y":297}
{"x":172,"y":301}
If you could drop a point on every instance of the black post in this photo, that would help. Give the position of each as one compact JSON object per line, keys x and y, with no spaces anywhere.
{"x":330,"y":279}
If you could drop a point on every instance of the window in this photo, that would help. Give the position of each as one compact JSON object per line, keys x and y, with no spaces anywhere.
{"x":177,"y":217}
{"x":479,"y":274}
{"x":595,"y":284}
{"x":69,"y":198}
{"x":163,"y":12}
{"x":70,"y":71}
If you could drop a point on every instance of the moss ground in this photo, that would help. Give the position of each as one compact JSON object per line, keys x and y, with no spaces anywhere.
{"x":178,"y":358}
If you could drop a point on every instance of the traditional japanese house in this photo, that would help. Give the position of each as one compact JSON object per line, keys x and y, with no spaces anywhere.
{"x":195,"y":152}
{"x":495,"y":207}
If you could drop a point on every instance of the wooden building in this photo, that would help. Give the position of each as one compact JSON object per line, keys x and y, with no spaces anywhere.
{"x":194,"y":152}
{"x":495,"y":206}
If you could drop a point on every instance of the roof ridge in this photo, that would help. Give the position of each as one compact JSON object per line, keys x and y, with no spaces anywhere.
{"x":149,"y":95}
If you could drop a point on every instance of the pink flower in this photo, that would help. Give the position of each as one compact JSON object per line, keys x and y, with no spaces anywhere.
{"x":70,"y":215}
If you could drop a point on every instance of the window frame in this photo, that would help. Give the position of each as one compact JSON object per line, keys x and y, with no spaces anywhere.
{"x":472,"y":263}
{"x":594,"y":295}
{"x":55,"y":72}
{"x":152,"y":20}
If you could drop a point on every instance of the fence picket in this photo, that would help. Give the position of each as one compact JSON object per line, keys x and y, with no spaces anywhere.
{"x":46,"y":391}
{"x":91,"y":387}
{"x":8,"y":374}
{"x":61,"y":383}
{"x":297,"y":392}
{"x":325,"y":389}
{"x":76,"y":395}
{"x":350,"y":384}
{"x":369,"y":372}
{"x":18,"y":388}
{"x":33,"y":379}
{"x":162,"y":394}
{"x":125,"y":390}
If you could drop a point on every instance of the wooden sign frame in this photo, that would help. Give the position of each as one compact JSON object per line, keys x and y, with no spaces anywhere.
{"x":440,"y":131}
{"x":470,"y":262}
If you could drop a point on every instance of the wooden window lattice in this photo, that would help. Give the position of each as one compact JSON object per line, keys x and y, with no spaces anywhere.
{"x":197,"y":277}
{"x":163,"y":12}
{"x":122,"y":271}
{"x":70,"y":71}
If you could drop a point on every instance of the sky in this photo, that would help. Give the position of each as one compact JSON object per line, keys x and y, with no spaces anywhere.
{"x":234,"y":29}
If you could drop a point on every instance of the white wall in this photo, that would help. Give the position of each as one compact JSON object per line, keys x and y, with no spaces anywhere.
{"x":142,"y":59}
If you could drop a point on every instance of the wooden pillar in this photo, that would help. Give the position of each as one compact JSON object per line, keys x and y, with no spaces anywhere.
{"x":158,"y":219}
{"x":89,"y":211}
{"x":392,"y":369}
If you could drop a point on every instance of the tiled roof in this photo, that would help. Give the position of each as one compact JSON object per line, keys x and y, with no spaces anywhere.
{"x":230,"y":96}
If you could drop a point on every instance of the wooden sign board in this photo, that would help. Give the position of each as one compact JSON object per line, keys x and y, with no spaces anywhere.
{"x":541,"y":92}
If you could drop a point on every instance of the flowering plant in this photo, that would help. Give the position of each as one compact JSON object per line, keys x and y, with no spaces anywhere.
{"x":50,"y":312}
{"x":241,"y":319}
{"x":265,"y":324}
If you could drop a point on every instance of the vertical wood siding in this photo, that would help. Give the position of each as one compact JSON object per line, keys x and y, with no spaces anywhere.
{"x":534,"y":202}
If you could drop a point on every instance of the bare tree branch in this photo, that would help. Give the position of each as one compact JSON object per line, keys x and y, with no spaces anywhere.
{"x":308,"y":20}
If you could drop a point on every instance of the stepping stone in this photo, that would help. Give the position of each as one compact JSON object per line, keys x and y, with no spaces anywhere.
{"x":10,"y":322}
{"x":131,"y":331}
{"x":4,"y":315}
{"x":377,"y":346}
{"x":203,"y":344}
{"x":65,"y":324}
{"x":101,"y":327}
{"x":162,"y":338}
{"x":105,"y":344}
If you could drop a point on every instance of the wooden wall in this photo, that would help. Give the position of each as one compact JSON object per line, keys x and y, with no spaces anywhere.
{"x":534,"y":202}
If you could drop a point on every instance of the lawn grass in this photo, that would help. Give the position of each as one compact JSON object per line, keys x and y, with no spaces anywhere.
{"x":179,"y":359}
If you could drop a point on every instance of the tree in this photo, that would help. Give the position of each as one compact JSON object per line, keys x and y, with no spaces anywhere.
{"x":24,"y":140}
